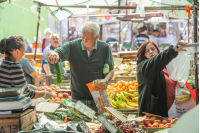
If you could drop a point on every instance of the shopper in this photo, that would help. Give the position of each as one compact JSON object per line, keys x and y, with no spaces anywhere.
{"x":142,"y":37}
{"x":11,"y":73}
{"x":87,"y":57}
{"x":46,"y":39}
{"x":29,"y":71}
{"x":154,"y":85}
{"x":46,"y":66}
{"x":154,"y":36}
{"x":73,"y":33}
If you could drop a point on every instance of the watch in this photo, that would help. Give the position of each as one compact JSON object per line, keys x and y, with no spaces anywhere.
{"x":106,"y":80}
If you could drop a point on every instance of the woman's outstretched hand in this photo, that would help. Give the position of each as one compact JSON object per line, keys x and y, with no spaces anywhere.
{"x":179,"y":48}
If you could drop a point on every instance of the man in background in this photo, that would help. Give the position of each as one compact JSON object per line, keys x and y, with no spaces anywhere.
{"x":46,"y":66}
{"x":154,"y":36}
{"x":142,"y":37}
{"x":46,"y":39}
{"x":73,"y":33}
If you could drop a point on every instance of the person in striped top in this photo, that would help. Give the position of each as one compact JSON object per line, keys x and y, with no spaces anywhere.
{"x":142,"y":37}
{"x":11,"y":73}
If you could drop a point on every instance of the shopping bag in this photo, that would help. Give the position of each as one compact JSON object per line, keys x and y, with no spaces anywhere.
{"x":178,"y":68}
{"x":183,"y":102}
{"x":100,"y":97}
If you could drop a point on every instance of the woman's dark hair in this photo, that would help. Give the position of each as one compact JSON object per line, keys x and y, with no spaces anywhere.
{"x":142,"y":49}
{"x":7,"y":45}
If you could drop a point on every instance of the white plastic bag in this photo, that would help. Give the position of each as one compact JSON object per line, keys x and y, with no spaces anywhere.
{"x":178,"y":68}
{"x":183,"y":102}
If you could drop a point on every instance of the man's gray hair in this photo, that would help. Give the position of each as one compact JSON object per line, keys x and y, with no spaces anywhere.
{"x":55,"y":34}
{"x":91,"y":27}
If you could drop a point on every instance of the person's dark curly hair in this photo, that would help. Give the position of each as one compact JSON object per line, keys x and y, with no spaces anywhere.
{"x":7,"y":45}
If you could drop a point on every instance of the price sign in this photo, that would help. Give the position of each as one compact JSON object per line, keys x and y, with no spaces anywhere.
{"x":107,"y":124}
{"x":116,"y":114}
{"x":84,"y":109}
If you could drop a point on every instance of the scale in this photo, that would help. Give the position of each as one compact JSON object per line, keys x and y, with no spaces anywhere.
{"x":13,"y":100}
{"x":15,"y":103}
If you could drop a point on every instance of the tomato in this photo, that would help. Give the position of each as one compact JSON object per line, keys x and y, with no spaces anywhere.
{"x":157,"y":121}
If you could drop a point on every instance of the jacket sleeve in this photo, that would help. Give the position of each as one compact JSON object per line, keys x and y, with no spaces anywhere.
{"x":150,"y":67}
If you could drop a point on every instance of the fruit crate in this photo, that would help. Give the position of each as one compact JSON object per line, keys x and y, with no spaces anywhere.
{"x":51,"y":79}
{"x":129,"y":111}
{"x":127,"y":79}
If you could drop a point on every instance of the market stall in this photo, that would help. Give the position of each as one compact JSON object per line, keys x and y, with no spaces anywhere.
{"x":117,"y":106}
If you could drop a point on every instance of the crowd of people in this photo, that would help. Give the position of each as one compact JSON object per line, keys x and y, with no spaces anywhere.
{"x":87,"y":57}
{"x":142,"y":37}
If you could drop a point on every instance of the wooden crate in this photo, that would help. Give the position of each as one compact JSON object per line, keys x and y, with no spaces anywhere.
{"x":16,"y":122}
{"x":127,"y":54}
{"x":38,"y":57}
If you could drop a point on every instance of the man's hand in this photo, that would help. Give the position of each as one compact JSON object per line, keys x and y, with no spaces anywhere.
{"x":53,"y":57}
{"x":102,"y":84}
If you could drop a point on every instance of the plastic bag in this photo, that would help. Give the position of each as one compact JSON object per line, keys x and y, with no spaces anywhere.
{"x":100,"y":97}
{"x":178,"y":68}
{"x":181,"y":95}
{"x":183,"y":102}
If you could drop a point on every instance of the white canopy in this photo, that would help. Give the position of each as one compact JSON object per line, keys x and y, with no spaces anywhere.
{"x":66,"y":12}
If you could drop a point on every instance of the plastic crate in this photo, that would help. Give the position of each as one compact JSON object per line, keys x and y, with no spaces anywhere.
{"x":127,"y":79}
{"x":51,"y":79}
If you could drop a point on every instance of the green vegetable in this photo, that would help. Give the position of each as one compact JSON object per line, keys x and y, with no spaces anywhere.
{"x":118,"y":130}
{"x":59,"y":115}
{"x":53,"y":85}
{"x":58,"y":72}
{"x":53,"y":116}
{"x":70,"y":105}
{"x":106,"y":69}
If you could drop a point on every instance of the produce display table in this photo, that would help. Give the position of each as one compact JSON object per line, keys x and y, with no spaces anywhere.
{"x":129,"y":111}
{"x":127,"y":54}
{"x":30,"y":56}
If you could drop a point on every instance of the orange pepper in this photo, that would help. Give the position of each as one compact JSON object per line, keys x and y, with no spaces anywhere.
{"x":65,"y":121}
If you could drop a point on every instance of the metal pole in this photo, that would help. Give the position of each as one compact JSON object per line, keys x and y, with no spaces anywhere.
{"x":61,"y":32}
{"x":195,"y":55}
{"x":188,"y":29}
{"x":131,"y":34}
{"x":38,"y":25}
{"x":119,"y":2}
{"x":119,"y":31}
{"x":68,"y":27}
{"x":125,"y":7}
{"x":116,"y":15}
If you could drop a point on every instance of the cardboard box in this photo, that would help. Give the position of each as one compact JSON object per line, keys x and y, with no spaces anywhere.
{"x":16,"y":122}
